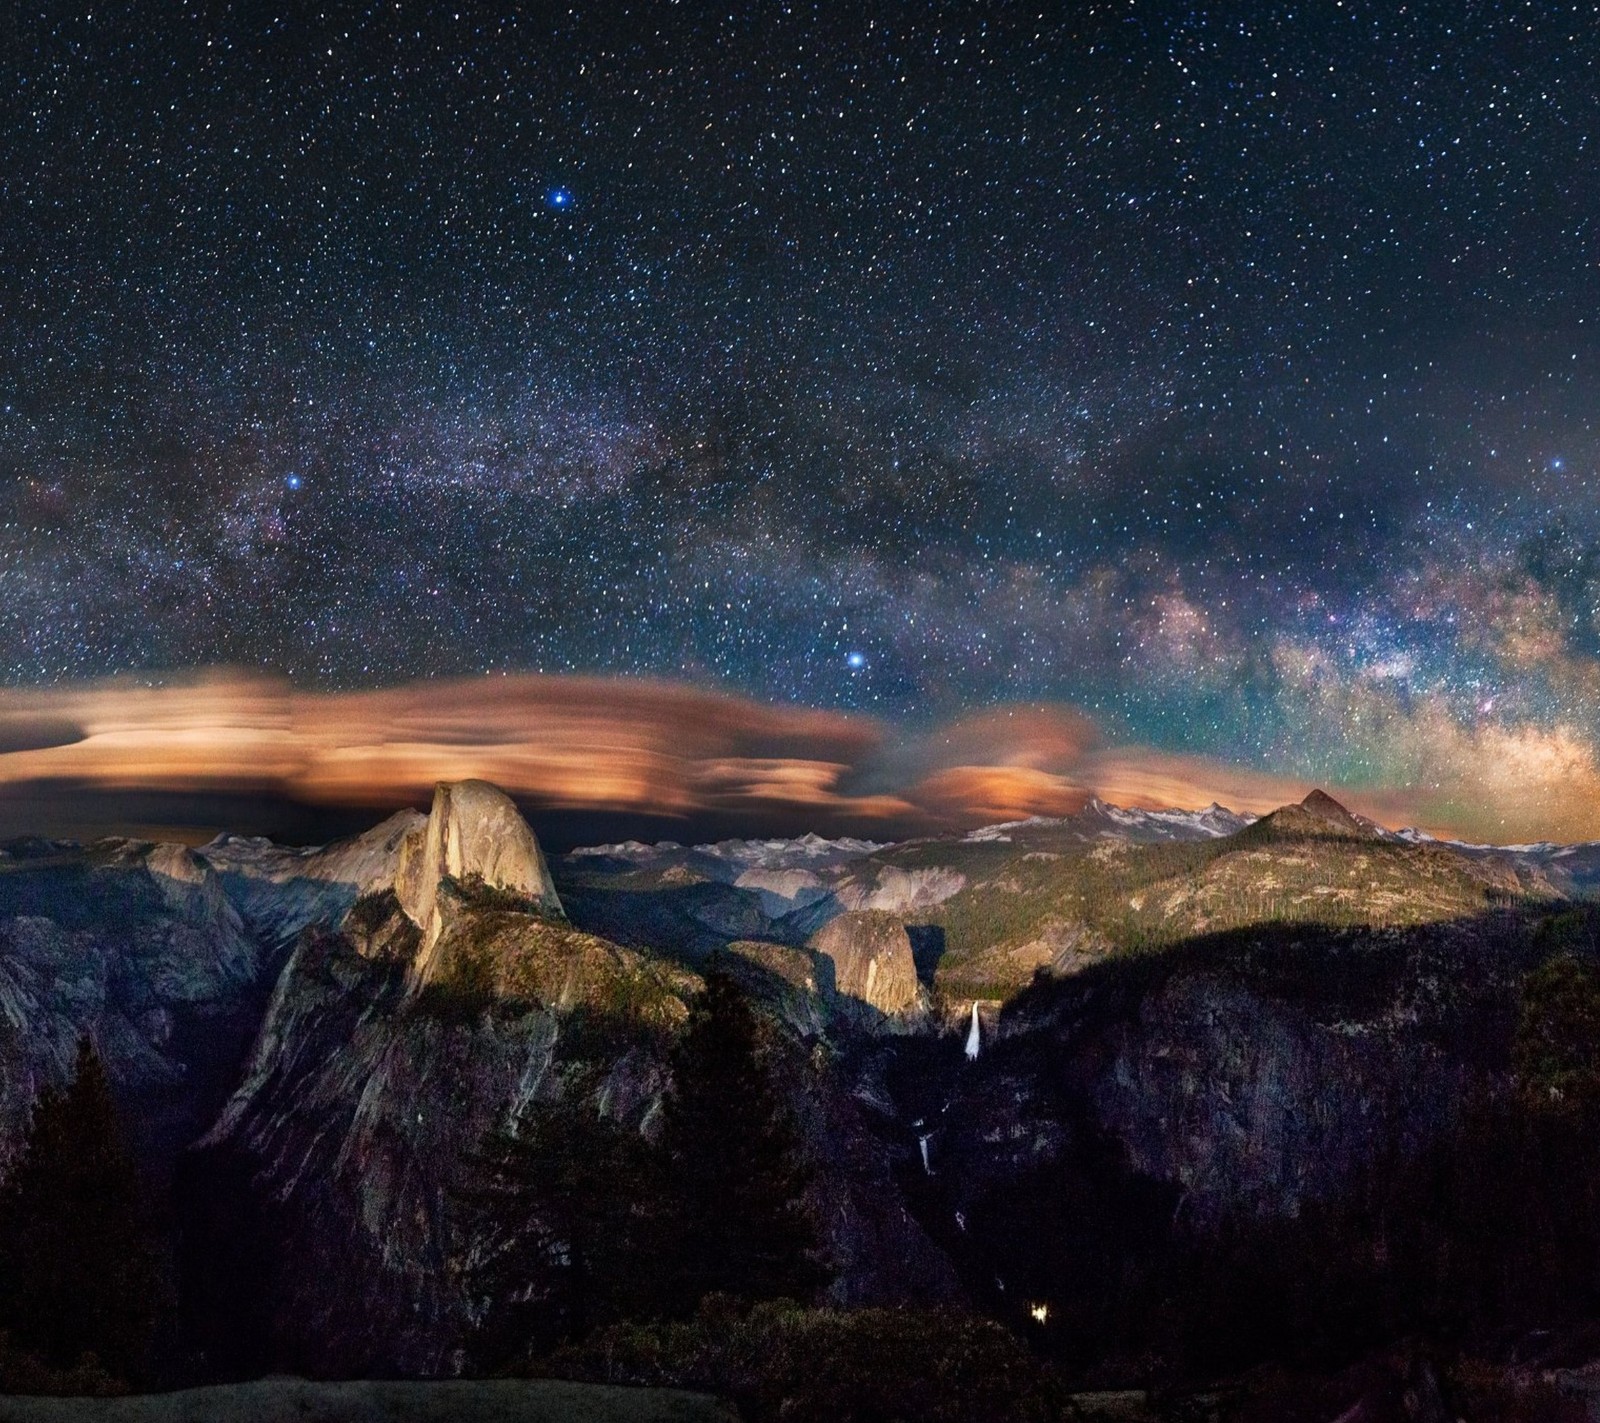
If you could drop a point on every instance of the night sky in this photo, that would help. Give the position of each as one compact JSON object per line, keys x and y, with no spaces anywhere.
{"x":1227,"y":374}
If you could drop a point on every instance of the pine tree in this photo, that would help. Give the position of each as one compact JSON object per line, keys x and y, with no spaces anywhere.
{"x":579,"y":1193}
{"x":736,"y":1173}
{"x":77,"y":1273}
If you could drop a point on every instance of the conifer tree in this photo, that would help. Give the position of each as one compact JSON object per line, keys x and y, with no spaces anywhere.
{"x":77,"y":1273}
{"x":580,"y":1194}
{"x":736,"y":1174}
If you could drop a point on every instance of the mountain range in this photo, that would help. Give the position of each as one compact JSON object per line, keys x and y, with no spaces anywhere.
{"x":1193,"y":1017}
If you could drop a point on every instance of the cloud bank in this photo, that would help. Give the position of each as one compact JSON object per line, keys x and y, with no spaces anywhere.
{"x":666,"y":749}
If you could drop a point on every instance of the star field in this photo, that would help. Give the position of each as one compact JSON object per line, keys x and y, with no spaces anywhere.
{"x":1228,"y":373}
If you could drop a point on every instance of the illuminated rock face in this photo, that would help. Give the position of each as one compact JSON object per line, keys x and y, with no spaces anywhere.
{"x":474,"y":832}
{"x":280,"y":890}
{"x":871,"y":958}
{"x":396,"y":1042}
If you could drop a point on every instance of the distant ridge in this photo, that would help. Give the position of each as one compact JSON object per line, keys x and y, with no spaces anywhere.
{"x":1100,"y":820}
{"x":768,"y":853}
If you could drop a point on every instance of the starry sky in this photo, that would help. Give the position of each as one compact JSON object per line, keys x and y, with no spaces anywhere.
{"x":1211,"y":382}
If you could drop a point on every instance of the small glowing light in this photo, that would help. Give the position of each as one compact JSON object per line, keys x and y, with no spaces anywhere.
{"x":1040,"y":1312}
{"x":293,"y":481}
{"x":559,"y":197}
{"x":856,"y":660}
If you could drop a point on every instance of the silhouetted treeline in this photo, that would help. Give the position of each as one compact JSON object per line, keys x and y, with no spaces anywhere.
{"x":605,"y":1223}
{"x":79,"y":1286}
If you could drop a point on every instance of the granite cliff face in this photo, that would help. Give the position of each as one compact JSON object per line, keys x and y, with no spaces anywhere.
{"x":444,"y":1004}
{"x":137,"y":946}
{"x":473,"y":834}
{"x":280,"y":890}
{"x":870,"y":961}
{"x":354,"y":1137}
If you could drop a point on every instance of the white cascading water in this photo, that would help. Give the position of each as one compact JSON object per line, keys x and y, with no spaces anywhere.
{"x":922,"y":1142}
{"x":974,"y":1037}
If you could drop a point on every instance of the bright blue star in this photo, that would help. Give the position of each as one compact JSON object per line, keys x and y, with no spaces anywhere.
{"x":559,"y":198}
{"x":855,"y":660}
{"x":293,"y":481}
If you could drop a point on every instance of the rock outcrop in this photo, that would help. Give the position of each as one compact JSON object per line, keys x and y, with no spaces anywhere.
{"x":474,"y":834}
{"x":782,"y":891}
{"x":871,"y":961}
{"x":896,"y":890}
{"x":360,"y":1126}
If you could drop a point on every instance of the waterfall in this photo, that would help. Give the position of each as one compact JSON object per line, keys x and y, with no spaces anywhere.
{"x":974,"y":1037}
{"x":922,"y":1143}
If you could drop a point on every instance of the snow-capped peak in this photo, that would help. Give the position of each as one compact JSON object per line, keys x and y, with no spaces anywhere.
{"x":808,"y":849}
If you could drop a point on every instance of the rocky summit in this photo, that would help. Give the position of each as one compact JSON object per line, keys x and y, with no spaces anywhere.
{"x":1187,"y":1025}
{"x":473,"y":835}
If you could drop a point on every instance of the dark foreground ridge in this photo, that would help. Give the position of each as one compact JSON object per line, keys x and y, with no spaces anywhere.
{"x":277,"y":1400}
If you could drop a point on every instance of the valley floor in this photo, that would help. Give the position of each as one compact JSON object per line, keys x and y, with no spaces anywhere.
{"x":489,"y":1401}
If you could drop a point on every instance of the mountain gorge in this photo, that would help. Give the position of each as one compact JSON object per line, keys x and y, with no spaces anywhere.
{"x":1034,"y":1067}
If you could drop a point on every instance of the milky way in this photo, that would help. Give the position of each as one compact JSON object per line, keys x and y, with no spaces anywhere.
{"x":1227,"y":374}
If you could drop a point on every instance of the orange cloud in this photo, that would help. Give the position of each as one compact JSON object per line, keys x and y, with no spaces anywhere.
{"x":215,"y":732}
{"x":666,"y":749}
{"x":980,"y":795}
{"x":1146,"y":779}
{"x":1041,"y":737}
{"x":779,"y":781}
{"x":560,"y":743}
